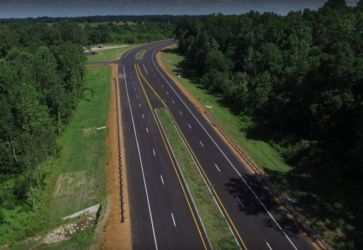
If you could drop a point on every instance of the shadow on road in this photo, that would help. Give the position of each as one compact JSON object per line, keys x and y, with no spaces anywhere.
{"x":251,"y":206}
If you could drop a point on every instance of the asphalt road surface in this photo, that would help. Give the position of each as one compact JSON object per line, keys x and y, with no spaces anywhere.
{"x":160,"y":214}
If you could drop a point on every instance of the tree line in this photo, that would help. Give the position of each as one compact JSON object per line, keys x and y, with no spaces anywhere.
{"x":41,"y":73}
{"x":296,"y":81}
{"x":99,"y":19}
{"x":298,"y":77}
{"x":128,"y":32}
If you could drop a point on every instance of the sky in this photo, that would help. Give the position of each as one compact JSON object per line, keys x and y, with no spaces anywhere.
{"x":56,"y":8}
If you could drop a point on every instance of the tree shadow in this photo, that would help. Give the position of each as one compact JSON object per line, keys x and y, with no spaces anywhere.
{"x":250,"y":205}
{"x":327,"y":204}
{"x":183,"y":68}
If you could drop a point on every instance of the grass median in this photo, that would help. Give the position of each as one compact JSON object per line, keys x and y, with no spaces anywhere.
{"x":140,"y":54}
{"x":215,"y":224}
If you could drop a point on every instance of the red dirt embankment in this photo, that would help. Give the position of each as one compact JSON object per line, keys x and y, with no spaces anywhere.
{"x":115,"y":235}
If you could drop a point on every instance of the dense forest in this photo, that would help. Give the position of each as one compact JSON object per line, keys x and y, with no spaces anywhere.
{"x":128,"y":33}
{"x":99,"y":19}
{"x":297,"y":81}
{"x":41,"y":72}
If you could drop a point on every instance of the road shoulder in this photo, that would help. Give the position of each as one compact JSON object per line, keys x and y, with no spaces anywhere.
{"x":115,"y":233}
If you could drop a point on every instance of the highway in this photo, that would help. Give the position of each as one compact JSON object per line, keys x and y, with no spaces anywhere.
{"x":162,"y":215}
{"x":255,"y":218}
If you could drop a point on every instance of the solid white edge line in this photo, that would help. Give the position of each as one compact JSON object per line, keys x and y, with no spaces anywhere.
{"x":268,"y":245}
{"x":225,"y":156}
{"x":141,"y":164}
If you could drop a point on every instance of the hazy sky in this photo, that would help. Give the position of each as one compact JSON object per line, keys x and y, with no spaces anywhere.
{"x":34,"y":8}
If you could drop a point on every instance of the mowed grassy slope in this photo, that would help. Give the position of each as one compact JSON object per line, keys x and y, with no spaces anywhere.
{"x":83,"y":154}
{"x":108,"y":54}
{"x":264,"y":155}
{"x":75,"y":179}
{"x":216,"y":226}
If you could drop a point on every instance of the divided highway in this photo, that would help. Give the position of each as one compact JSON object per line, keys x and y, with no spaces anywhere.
{"x":162,"y":214}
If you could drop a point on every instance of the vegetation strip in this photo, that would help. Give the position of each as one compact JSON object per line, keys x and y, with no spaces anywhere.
{"x":140,"y":54}
{"x":215,"y":224}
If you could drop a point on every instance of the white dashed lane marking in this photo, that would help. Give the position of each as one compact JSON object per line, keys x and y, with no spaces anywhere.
{"x":172,"y":217}
{"x":219,"y":170}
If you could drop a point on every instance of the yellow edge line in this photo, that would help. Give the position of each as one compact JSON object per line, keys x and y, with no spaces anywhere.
{"x":171,"y":158}
{"x":198,"y":163}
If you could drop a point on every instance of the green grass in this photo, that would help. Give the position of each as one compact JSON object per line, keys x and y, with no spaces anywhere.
{"x":83,"y":154}
{"x":261,"y":152}
{"x":216,"y":226}
{"x":75,"y":179}
{"x":108,"y":54}
{"x":140,"y":54}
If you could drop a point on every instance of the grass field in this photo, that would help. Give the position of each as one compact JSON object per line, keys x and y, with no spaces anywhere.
{"x":264,"y":155}
{"x":108,"y":54}
{"x":216,"y":226}
{"x":75,"y":179}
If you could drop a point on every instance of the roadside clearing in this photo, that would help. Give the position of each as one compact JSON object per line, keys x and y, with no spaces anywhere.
{"x":109,"y":54}
{"x":216,"y":226}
